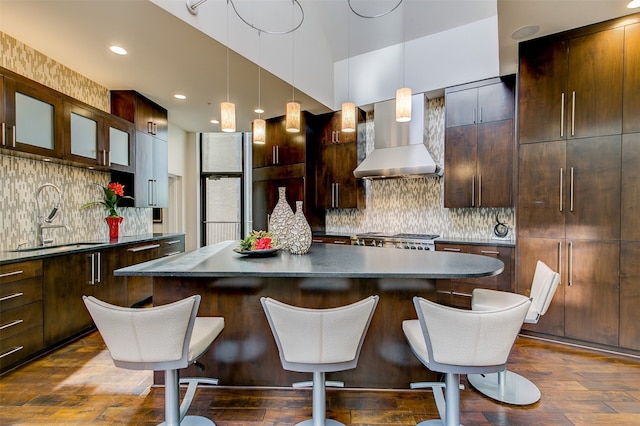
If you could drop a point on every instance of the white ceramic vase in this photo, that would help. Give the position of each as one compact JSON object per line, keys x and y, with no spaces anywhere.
{"x":280,"y":219}
{"x":299,"y":232}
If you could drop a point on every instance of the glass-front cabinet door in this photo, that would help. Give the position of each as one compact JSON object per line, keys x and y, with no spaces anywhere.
{"x":119,"y":139}
{"x":83,"y":135}
{"x":32,"y":122}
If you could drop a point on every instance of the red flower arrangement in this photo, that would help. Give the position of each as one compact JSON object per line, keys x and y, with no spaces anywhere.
{"x":113,"y":193}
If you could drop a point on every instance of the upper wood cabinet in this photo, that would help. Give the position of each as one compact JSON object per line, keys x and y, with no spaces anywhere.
{"x":631,"y":84}
{"x":478,"y":168}
{"x":281,"y":147}
{"x":84,"y":135}
{"x":119,"y":137}
{"x":630,"y":195}
{"x":565,"y":92}
{"x":336,"y":186}
{"x":149,"y":186}
{"x":479,"y":102}
{"x":33,"y":118}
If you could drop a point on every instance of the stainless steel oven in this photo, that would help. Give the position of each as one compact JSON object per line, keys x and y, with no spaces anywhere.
{"x":423,"y":242}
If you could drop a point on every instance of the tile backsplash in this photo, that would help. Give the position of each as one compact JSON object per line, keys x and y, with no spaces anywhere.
{"x":20,"y":179}
{"x":416,"y":205}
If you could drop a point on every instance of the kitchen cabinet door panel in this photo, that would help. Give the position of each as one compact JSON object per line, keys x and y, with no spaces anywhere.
{"x":460,"y":149}
{"x":631,"y":81}
{"x":460,"y":107}
{"x":542,"y":91}
{"x":629,"y":295}
{"x":630,"y":194}
{"x":495,"y":147}
{"x":551,"y":252}
{"x":541,"y":190}
{"x":595,"y":84}
{"x":495,"y":102}
{"x":592,"y":291}
{"x":265,"y":197}
{"x":593,"y":200}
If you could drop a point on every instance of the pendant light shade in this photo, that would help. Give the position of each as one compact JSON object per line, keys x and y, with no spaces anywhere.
{"x":403,"y":104}
{"x":228,"y":117}
{"x":348,"y":117}
{"x":259,"y":131}
{"x":293,"y":117}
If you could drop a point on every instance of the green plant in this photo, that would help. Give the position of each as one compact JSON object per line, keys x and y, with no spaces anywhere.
{"x":258,"y":240}
{"x":113,"y":193}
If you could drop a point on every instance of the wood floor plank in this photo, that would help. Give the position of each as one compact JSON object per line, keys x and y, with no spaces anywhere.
{"x":79,"y":385}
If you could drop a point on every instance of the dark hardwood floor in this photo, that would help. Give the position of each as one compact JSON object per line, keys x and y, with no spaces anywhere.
{"x":79,"y":385}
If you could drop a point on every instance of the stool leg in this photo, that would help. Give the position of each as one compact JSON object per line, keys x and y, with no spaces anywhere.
{"x":319,"y":399}
{"x":171,"y":398}
{"x":452,"y":407}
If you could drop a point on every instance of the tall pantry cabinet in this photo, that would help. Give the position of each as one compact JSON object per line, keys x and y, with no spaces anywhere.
{"x":571,"y":179}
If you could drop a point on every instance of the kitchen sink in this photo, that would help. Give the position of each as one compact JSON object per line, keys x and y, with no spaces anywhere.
{"x":58,"y":247}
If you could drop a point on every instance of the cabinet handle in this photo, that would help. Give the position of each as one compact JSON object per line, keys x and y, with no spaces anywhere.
{"x":339,"y":242}
{"x":108,"y":158}
{"x":4,"y":136}
{"x":316,"y":240}
{"x":571,"y":189}
{"x":278,"y":153}
{"x":497,"y":253}
{"x":480,"y":117}
{"x":573,"y":113}
{"x":560,"y":258}
{"x":333,"y":193}
{"x":149,"y":192}
{"x":11,"y":351}
{"x":11,"y":296}
{"x":9,"y":274}
{"x":11,"y":324}
{"x":337,"y":195}
{"x":562,"y":115}
{"x":92,"y":281}
{"x":473,"y":191}
{"x":570,"y":264}
{"x":474,"y":115}
{"x":98,"y":267}
{"x":173,"y":242}
{"x":155,"y":128}
{"x":13,"y":137}
{"x":337,"y":136}
{"x":561,"y":179}
{"x":479,"y":190}
{"x":451,"y":249}
{"x":173,"y":253}
{"x":143,"y":248}
{"x":149,"y":127}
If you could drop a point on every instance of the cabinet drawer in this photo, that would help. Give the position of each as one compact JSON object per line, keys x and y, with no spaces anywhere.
{"x":20,"y":271}
{"x":331,"y":240}
{"x":171,"y":246}
{"x":18,"y":347}
{"x":20,"y":293}
{"x":18,"y":320}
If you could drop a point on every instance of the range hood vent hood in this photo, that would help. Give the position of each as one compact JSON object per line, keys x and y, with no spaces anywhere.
{"x":399,"y":150}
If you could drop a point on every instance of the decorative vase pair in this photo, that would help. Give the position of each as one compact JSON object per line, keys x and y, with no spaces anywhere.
{"x":114,"y":226}
{"x":291,"y":230}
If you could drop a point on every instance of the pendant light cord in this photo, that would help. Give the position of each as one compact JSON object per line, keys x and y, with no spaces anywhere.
{"x":293,"y":55}
{"x":228,"y":50}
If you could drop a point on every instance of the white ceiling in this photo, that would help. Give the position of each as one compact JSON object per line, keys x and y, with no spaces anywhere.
{"x":172,"y":51}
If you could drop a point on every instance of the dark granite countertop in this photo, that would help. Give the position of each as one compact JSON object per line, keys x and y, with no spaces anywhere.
{"x":323,"y":260}
{"x":478,"y":241}
{"x":7,"y":256}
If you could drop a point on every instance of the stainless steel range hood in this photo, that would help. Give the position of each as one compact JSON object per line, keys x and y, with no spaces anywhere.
{"x":399,"y":149}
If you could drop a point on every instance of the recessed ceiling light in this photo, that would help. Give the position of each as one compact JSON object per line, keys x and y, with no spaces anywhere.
{"x":258,"y":111}
{"x":214,"y":121}
{"x":179,"y":96}
{"x":524,"y":32}
{"x":118,"y":50}
{"x":633,"y":4}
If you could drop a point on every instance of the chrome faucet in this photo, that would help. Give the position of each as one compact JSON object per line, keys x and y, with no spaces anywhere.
{"x":44,"y":223}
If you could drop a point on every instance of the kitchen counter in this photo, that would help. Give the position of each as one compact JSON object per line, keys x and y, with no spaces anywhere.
{"x":329,"y":275}
{"x":478,"y":241}
{"x":7,"y":256}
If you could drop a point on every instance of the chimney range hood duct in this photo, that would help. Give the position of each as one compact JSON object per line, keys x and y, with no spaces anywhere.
{"x":399,"y":150}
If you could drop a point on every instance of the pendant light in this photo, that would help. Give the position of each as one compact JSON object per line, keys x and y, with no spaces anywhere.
{"x":292,"y":122}
{"x":259,"y":126}
{"x":403,"y":95}
{"x":227,"y":109}
{"x":348,"y":108}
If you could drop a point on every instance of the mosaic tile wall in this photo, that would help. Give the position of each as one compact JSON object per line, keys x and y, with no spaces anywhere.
{"x":416,"y":205}
{"x":20,"y":177}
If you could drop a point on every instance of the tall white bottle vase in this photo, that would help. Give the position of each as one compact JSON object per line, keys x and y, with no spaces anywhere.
{"x":280,"y":219}
{"x":299,"y":232}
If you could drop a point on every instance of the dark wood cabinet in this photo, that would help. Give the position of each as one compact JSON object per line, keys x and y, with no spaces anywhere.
{"x":66,"y":279}
{"x":281,"y":147}
{"x":629,"y":295}
{"x":571,"y":86}
{"x":631,"y":80}
{"x":26,"y":103}
{"x":458,"y":292}
{"x":84,"y":139}
{"x":331,"y":239}
{"x":479,"y":140}
{"x":108,"y":287}
{"x":336,"y":186}
{"x":479,"y":102}
{"x":630,"y":195}
{"x":265,"y":197}
{"x":119,"y":138}
{"x":150,"y":184}
{"x":20,"y":312}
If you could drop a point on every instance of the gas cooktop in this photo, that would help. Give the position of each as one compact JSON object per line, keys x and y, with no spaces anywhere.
{"x":403,"y":236}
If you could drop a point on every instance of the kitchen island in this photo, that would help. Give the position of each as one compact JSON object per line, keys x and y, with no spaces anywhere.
{"x":330,"y":275}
